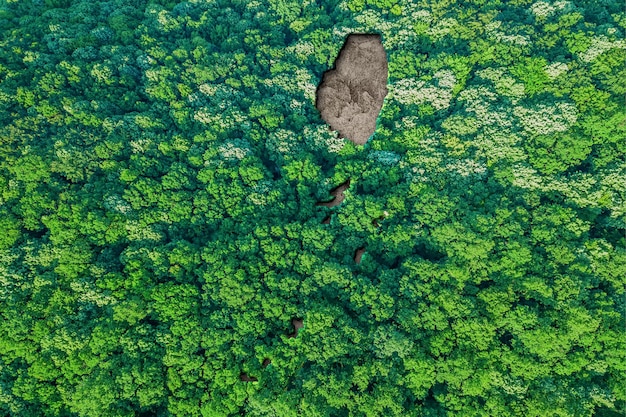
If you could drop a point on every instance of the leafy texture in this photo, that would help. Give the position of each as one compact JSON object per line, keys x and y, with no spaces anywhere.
{"x":162,"y":252}
{"x":351,"y":95}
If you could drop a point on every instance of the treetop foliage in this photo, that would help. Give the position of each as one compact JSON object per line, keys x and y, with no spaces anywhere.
{"x":161,"y":245}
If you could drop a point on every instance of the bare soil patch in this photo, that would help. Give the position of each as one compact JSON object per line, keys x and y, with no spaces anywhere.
{"x":297,"y":325}
{"x":247,"y":378}
{"x":358,"y":254}
{"x":337,"y":194}
{"x":351,"y":94}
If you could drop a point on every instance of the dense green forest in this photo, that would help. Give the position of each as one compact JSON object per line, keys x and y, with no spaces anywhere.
{"x":162,"y":252}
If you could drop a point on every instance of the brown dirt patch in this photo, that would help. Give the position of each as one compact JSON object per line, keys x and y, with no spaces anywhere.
{"x":247,"y":378}
{"x":351,"y":94}
{"x":338,"y":195}
{"x":297,"y":325}
{"x":358,"y":254}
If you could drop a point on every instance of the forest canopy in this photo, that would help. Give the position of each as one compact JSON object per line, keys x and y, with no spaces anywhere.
{"x":170,"y":243}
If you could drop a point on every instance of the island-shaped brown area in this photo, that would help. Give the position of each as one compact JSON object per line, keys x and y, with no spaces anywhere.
{"x":358,"y":255}
{"x":247,"y":378}
{"x":351,"y":94}
{"x":338,"y":196}
{"x":297,"y":325}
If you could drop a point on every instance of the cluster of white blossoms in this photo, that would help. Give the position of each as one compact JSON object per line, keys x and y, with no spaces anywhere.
{"x":481,"y":101}
{"x":221,"y":95}
{"x":604,"y":189}
{"x":442,"y":28}
{"x":321,"y":137}
{"x":420,"y":15}
{"x":437,"y":93}
{"x":521,"y":40}
{"x":235,"y":149}
{"x":219,"y":110}
{"x":599,"y":45}
{"x":502,"y":37}
{"x":343,"y":32}
{"x":427,"y":160}
{"x":495,"y":144}
{"x":581,"y":188}
{"x":415,"y":173}
{"x":227,"y":120}
{"x":492,"y":123}
{"x":372,"y":20}
{"x":301,"y":49}
{"x":509,"y":384}
{"x":524,"y":176}
{"x":304,"y":80}
{"x":208,"y":89}
{"x":467,"y":167}
{"x":116,"y":203}
{"x":405,"y":90}
{"x":543,"y":9}
{"x":296,"y":105}
{"x":195,"y":99}
{"x":141,"y":121}
{"x":439,"y":98}
{"x":335,"y":144}
{"x":260,"y":193}
{"x":282,"y":141}
{"x":138,"y":231}
{"x":89,"y":293}
{"x":431,"y":161}
{"x":555,"y":69}
{"x":445,"y":79}
{"x":505,"y":85}
{"x":301,"y":83}
{"x":403,"y":38}
{"x":477,"y":96}
{"x":284,"y":81}
{"x":545,"y":119}
{"x":407,"y":122}
{"x":140,"y":145}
